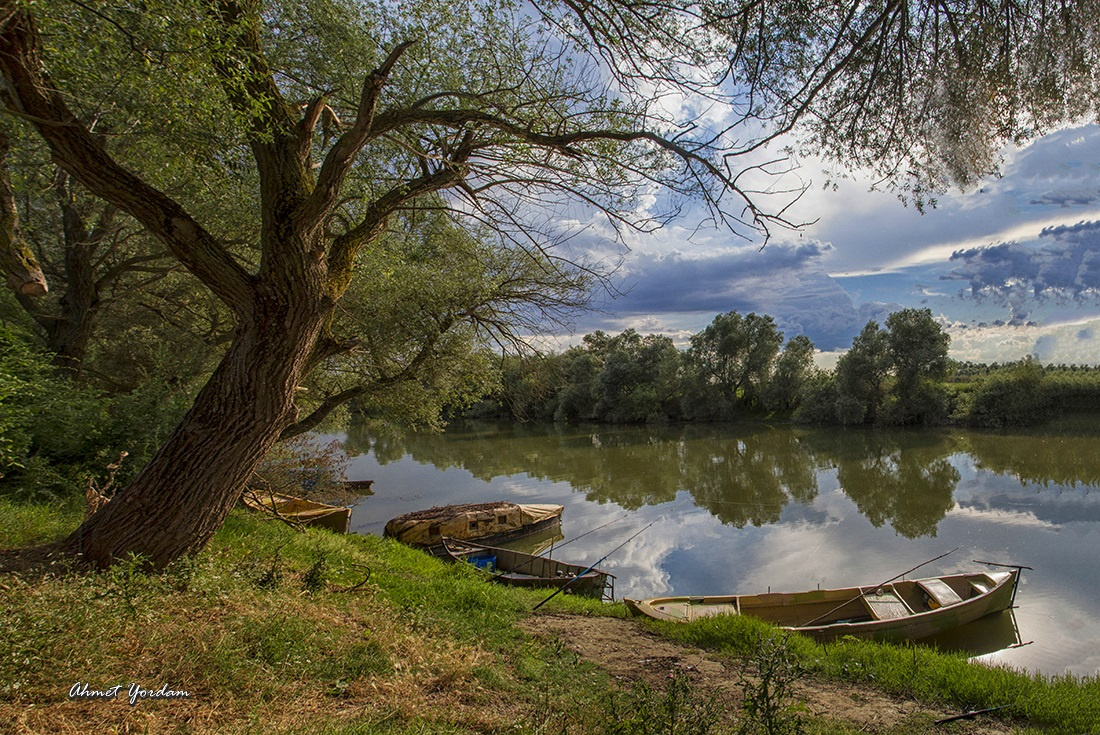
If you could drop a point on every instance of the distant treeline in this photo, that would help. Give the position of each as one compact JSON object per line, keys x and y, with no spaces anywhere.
{"x":741,"y":367}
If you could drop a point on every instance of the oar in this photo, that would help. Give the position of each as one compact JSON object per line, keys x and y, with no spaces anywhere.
{"x":883,"y":584}
{"x":561,"y":589}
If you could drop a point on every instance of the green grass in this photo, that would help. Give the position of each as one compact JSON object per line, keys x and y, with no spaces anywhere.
{"x":1062,"y":704}
{"x":258,"y":630}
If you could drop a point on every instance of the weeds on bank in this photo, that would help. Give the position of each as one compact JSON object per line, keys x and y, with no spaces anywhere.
{"x":681,"y":709}
{"x":1060,"y":704}
{"x":768,"y":679}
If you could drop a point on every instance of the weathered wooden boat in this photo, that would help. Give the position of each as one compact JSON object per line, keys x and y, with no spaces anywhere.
{"x":299,"y":510}
{"x":520,"y":569}
{"x":896,"y":611}
{"x":487,"y":523}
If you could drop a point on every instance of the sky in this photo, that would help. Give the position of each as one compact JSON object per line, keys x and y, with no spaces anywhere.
{"x":1011,"y":267}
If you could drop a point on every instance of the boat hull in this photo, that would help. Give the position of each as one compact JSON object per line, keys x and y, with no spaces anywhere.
{"x":902,"y":611}
{"x":487,"y":523}
{"x":300,"y":510}
{"x":520,"y":569}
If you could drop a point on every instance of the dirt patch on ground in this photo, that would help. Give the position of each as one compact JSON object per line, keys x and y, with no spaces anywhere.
{"x":628,"y":652}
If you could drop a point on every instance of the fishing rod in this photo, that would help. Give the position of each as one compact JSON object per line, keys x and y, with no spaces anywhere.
{"x":592,"y":530}
{"x":561,"y":589}
{"x":550,"y":550}
{"x":877,"y":586}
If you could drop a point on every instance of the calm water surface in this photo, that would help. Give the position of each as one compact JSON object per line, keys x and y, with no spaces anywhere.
{"x":745,"y":509}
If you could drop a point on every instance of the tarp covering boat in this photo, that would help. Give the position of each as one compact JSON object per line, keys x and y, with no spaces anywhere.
{"x":488,"y":522}
{"x":896,"y":611}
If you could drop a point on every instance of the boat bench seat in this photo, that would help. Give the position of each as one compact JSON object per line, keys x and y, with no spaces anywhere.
{"x":940,"y":592}
{"x":886,"y":605}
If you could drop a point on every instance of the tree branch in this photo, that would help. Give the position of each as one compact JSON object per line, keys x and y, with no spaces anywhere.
{"x":30,"y":93}
{"x":323,"y":411}
{"x":17,"y":261}
{"x":342,"y":155}
{"x":344,"y":248}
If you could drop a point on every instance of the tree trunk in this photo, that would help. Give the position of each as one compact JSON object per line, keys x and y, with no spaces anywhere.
{"x":177,"y":502}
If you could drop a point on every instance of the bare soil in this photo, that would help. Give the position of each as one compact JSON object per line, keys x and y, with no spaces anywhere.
{"x":628,"y":652}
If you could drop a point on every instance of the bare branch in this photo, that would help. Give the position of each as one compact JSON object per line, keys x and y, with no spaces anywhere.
{"x":342,"y":155}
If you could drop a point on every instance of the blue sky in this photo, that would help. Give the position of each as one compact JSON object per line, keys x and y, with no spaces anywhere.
{"x":1011,"y":267}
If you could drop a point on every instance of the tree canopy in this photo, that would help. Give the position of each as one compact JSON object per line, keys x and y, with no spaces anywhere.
{"x":278,"y":152}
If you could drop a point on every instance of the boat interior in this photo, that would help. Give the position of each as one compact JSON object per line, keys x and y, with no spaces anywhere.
{"x":856,"y":605}
{"x":889,"y":601}
{"x":519,"y":568}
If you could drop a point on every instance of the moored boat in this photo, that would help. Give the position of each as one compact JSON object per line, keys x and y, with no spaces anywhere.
{"x":895,"y":611}
{"x":300,"y":510}
{"x":520,"y":569}
{"x":487,"y":523}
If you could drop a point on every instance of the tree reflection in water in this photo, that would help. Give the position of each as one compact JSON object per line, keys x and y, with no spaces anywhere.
{"x":747,"y":475}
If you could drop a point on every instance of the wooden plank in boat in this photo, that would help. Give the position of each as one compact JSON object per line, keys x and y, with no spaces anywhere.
{"x":940,"y":591}
{"x":886,"y":605}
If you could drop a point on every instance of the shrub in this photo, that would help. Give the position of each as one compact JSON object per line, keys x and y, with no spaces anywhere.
{"x":1013,"y":397}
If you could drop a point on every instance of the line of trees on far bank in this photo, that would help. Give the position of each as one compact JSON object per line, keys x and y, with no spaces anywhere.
{"x":740,"y":366}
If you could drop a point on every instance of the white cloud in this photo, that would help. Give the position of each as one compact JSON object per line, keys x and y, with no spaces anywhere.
{"x":1076,"y":342}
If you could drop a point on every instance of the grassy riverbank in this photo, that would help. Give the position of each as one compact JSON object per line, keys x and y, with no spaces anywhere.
{"x":275,"y":631}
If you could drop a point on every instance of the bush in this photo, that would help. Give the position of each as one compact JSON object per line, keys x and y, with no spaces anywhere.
{"x":47,"y":425}
{"x":926,"y":403}
{"x":817,"y":401}
{"x":1013,"y":397}
{"x":54,"y":435}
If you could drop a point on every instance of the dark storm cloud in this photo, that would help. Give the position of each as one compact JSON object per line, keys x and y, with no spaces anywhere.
{"x":674,"y":283}
{"x":1064,"y":264}
{"x":1067,"y":199}
{"x":785,"y":281}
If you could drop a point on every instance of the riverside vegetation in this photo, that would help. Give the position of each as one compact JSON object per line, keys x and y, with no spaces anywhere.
{"x":271,"y":630}
{"x":741,"y":367}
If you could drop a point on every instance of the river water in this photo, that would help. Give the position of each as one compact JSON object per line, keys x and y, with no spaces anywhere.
{"x":741,"y":509}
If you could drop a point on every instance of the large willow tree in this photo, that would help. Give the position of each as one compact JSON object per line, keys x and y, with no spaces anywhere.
{"x":345,"y":119}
